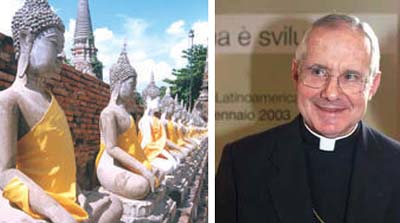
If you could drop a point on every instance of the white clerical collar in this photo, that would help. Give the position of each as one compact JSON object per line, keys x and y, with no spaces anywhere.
{"x":328,"y":144}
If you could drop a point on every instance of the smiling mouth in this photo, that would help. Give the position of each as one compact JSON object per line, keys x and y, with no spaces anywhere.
{"x":330,"y":109}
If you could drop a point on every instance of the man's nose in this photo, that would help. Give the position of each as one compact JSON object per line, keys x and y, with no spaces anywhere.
{"x":331,"y":90}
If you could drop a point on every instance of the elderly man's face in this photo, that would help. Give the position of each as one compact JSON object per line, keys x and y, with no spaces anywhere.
{"x":331,"y":110}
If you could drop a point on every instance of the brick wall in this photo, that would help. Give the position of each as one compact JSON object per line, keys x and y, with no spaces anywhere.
{"x":81,"y":96}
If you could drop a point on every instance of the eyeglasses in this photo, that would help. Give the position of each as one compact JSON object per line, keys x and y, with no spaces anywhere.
{"x":317,"y":76}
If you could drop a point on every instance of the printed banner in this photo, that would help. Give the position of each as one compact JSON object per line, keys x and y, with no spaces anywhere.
{"x":281,"y":33}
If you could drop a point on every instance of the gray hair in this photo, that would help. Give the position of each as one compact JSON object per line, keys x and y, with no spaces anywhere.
{"x":336,"y":20}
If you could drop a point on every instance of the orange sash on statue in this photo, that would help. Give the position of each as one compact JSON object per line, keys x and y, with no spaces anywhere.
{"x":128,"y":141}
{"x":46,"y":155}
{"x":158,"y":139}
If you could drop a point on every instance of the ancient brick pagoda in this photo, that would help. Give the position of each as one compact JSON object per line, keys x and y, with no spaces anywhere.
{"x":84,"y":51}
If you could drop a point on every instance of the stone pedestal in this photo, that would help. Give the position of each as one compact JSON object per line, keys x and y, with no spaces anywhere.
{"x":177,"y":186}
{"x":195,"y":200}
{"x":156,"y":207}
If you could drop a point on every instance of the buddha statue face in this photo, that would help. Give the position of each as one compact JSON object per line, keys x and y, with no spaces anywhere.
{"x":127,"y":89}
{"x":170,"y":110}
{"x":178,"y":112}
{"x":123,"y":82}
{"x":152,"y":105}
{"x":38,"y":39}
{"x":46,"y":53}
{"x":167,"y":106}
{"x":186,"y":117}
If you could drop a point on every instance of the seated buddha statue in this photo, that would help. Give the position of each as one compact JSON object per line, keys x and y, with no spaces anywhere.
{"x":152,"y":134}
{"x":121,"y":165}
{"x":37,"y":162}
{"x":188,"y":123}
{"x":180,"y":126}
{"x":197,"y":131}
{"x":167,"y":109}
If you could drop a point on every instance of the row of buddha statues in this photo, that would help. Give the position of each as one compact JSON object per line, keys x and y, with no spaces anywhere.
{"x":37,"y":165}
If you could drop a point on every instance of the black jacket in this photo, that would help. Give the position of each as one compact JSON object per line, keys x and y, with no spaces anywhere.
{"x":262,"y":178}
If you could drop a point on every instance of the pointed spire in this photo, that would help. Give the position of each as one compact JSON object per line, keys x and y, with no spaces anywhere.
{"x":168,"y":92}
{"x":152,"y":77}
{"x":123,"y":56}
{"x":124,"y":47}
{"x":84,"y":52}
{"x":83,"y":28}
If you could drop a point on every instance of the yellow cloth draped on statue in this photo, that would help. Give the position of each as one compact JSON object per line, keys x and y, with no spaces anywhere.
{"x":158,"y":139}
{"x":173,"y":133}
{"x":180,"y":134}
{"x":46,"y":155}
{"x":128,"y":141}
{"x":192,"y":132}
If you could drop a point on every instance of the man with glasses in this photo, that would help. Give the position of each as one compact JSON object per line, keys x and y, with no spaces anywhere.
{"x":326,"y":165}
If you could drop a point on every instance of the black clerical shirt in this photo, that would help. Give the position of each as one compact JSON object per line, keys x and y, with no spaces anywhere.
{"x":329,"y":174}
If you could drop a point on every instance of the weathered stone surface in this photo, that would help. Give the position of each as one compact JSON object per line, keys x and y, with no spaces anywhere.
{"x":177,"y":187}
{"x":11,"y":215}
{"x":82,"y":98}
{"x":193,"y":208}
{"x":157,"y":207}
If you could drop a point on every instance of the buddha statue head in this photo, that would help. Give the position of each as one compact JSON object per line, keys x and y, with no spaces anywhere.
{"x":123,"y":80}
{"x":177,"y":111}
{"x":187,"y":115}
{"x":196,"y":119}
{"x":193,"y":117}
{"x":152,"y":95}
{"x":167,"y":104}
{"x":183,"y":112}
{"x":38,"y":35}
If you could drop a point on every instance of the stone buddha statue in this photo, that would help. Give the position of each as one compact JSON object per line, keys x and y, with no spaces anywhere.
{"x":37,"y":162}
{"x":167,"y":106}
{"x":152,"y":135}
{"x":180,"y":119}
{"x":121,"y":165}
{"x":196,"y":126}
{"x":176,"y":120}
{"x":188,"y":126}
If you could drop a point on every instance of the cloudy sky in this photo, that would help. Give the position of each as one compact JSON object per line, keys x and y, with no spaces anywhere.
{"x":155,"y":30}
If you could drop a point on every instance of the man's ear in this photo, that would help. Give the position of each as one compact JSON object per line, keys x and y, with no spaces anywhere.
{"x":295,"y":72}
{"x":25,"y":46}
{"x":374,"y":85}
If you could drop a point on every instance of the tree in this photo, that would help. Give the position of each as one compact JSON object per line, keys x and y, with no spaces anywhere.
{"x":187,"y":83}
{"x":139,"y":98}
{"x":163,"y":89}
{"x":97,"y":66}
